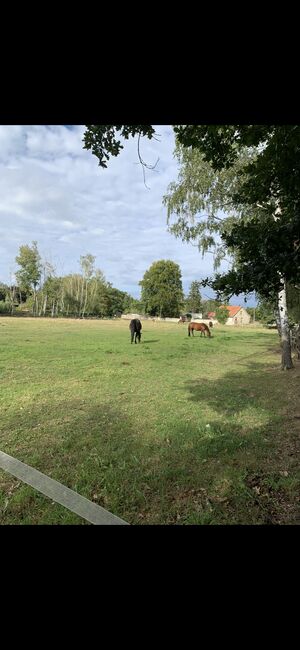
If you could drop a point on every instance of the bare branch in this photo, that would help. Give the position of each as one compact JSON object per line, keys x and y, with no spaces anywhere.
{"x":145,"y":165}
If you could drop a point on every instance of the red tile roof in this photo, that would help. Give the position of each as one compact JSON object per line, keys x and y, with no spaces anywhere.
{"x":232,"y":309}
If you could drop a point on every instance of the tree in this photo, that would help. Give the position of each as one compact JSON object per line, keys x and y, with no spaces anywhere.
{"x":4,"y":291}
{"x":265,"y":311}
{"x":269,"y":247}
{"x":193,"y":302}
{"x":162,"y":292}
{"x":293,"y":301}
{"x":261,"y":238}
{"x":29,"y":274}
{"x":221,"y":314}
{"x":87,"y":264}
{"x":210,"y":305}
{"x":118,"y":301}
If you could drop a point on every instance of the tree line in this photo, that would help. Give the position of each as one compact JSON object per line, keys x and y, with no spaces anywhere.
{"x":39,"y":291}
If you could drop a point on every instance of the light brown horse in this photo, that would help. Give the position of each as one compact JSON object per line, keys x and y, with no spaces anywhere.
{"x":199,"y":327}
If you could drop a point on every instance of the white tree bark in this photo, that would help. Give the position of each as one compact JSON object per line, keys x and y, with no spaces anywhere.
{"x":286,"y":358}
{"x":45,"y":305}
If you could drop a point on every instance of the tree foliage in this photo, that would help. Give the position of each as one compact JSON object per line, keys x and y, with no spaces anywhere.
{"x":199,"y":204}
{"x":267,"y":248}
{"x":29,"y":261}
{"x":162,"y":292}
{"x":41,"y":291}
{"x":102,"y":139}
{"x":222,"y":314}
{"x":193,"y":301}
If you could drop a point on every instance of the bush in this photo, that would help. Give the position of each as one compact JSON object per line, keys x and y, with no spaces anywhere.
{"x":5,"y":307}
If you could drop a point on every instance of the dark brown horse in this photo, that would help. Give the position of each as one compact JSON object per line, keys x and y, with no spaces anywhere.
{"x":199,"y":327}
{"x":135,"y":330}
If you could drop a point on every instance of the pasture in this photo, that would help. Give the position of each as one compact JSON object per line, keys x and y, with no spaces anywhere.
{"x":174,"y":430}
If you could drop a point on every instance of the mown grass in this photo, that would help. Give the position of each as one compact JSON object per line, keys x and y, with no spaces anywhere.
{"x":174,"y":430}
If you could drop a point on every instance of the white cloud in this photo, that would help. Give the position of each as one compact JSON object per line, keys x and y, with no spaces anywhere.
{"x":53,"y":191}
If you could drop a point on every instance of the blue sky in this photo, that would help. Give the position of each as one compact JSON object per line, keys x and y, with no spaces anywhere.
{"x":53,"y":191}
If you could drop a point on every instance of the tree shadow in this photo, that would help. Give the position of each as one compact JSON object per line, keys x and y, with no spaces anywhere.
{"x":236,"y":389}
{"x":193,"y":474}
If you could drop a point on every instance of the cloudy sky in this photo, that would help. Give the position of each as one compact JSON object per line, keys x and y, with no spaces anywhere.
{"x":53,"y":191}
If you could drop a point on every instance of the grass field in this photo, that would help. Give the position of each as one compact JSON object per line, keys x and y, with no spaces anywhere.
{"x":175,"y":430}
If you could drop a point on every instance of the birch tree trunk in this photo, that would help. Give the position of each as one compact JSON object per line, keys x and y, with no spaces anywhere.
{"x":81,"y":297}
{"x":40,"y":309}
{"x":286,"y":358}
{"x":277,"y":318}
{"x":86,"y":295}
{"x":34,"y":303}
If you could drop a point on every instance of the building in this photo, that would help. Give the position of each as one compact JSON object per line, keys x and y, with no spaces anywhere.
{"x":236,"y":315}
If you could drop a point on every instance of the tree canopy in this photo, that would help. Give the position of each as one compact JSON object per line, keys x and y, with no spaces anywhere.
{"x":29,"y":261}
{"x":193,"y":301}
{"x":162,"y":292}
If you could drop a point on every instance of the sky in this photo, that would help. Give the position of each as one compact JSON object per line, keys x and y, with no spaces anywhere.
{"x":53,"y":191}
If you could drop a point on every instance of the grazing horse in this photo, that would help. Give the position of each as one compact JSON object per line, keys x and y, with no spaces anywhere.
{"x":135,"y":329}
{"x":199,"y":327}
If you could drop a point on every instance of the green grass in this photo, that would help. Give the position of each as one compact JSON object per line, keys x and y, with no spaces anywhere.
{"x":174,"y":430}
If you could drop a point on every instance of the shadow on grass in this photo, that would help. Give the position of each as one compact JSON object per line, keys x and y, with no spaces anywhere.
{"x":236,"y":390}
{"x":215,"y":472}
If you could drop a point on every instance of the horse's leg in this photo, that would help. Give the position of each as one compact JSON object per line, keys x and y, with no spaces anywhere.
{"x":132,"y":335}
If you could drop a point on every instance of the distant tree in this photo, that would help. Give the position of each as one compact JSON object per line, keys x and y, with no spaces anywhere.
{"x":29,"y":274}
{"x":118,"y":301}
{"x":133,"y":305}
{"x":221,"y":314}
{"x":252,"y":311}
{"x":162,"y":292}
{"x":87,"y":264}
{"x":265,"y":311}
{"x":293,"y":301}
{"x":193,"y":302}
{"x":210,"y":305}
{"x":4,"y":291}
